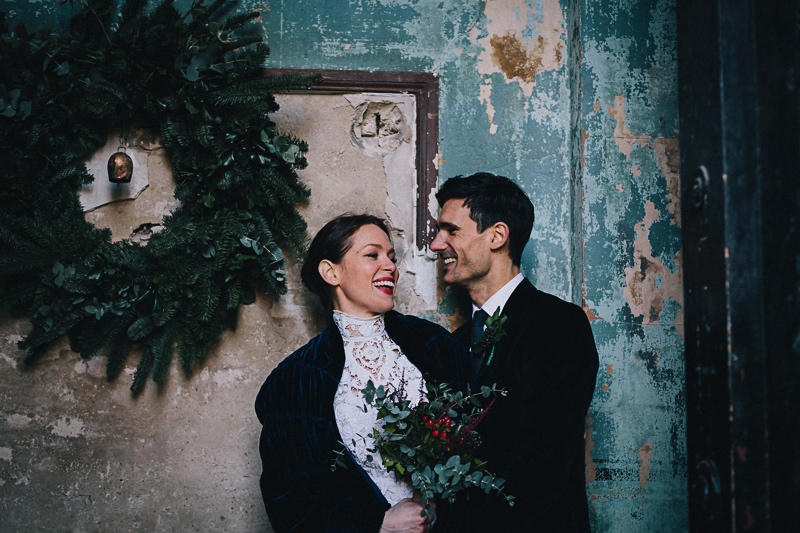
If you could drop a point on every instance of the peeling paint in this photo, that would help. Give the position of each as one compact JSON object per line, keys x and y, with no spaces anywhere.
{"x":6,"y":454}
{"x":648,"y":282}
{"x":67,"y":427}
{"x":623,"y":136}
{"x":507,"y":51}
{"x":669,"y":161}
{"x":645,"y":456}
{"x":18,"y":421}
{"x":485,"y":98}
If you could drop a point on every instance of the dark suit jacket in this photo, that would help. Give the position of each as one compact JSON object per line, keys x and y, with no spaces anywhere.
{"x":534,"y":437}
{"x":299,"y":434}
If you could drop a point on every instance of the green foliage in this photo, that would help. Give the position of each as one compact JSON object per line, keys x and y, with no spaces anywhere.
{"x":432,"y":445}
{"x":196,"y":79}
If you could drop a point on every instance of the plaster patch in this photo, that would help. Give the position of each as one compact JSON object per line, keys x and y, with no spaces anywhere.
{"x":95,"y":367}
{"x":645,"y":456}
{"x":18,"y":421}
{"x":10,"y":360}
{"x":67,"y":427}
{"x":100,"y":191}
{"x":505,"y":49}
{"x":623,"y":136}
{"x":6,"y":454}
{"x":669,"y":161}
{"x":648,"y":283}
{"x":485,"y":97}
{"x":228,"y":377}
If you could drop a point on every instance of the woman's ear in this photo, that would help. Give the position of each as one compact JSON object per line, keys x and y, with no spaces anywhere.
{"x":329,"y":272}
{"x":499,"y":235}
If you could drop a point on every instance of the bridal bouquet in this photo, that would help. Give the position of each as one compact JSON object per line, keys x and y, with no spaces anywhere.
{"x":432,"y":445}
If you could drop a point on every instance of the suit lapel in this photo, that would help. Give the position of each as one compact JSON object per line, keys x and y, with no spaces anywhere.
{"x":518,"y":309}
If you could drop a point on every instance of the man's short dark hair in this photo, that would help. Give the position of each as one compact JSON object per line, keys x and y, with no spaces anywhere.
{"x":493,"y":199}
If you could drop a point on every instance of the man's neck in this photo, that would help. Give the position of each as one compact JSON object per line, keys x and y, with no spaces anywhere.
{"x":492,"y":282}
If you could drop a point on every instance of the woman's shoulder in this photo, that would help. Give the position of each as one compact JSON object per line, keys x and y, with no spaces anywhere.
{"x":419,"y":331}
{"x":411,"y":323}
{"x":311,"y":364}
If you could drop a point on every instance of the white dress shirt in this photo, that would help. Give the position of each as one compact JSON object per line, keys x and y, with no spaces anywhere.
{"x":498,"y":300}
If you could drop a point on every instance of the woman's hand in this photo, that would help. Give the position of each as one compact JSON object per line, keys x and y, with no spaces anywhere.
{"x":405,"y":517}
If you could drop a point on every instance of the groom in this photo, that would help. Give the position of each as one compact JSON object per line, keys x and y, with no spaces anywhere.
{"x":534,"y":437}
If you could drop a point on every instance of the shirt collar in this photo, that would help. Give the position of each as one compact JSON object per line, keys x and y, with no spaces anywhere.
{"x":498,"y":300}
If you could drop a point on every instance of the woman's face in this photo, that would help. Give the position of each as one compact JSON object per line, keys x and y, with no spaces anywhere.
{"x":366,"y":276}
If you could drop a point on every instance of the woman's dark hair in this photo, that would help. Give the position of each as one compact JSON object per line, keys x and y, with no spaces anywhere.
{"x":493,"y":199}
{"x":331,"y":243}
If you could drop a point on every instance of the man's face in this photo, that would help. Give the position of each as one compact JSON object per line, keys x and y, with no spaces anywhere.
{"x":465,"y":253}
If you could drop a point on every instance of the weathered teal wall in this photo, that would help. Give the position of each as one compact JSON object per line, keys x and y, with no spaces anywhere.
{"x":632,"y":244}
{"x":577,"y":102}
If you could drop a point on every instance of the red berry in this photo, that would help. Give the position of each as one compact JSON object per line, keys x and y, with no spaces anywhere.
{"x":448,"y":423}
{"x":430,"y":422}
{"x":439,"y":421}
{"x":435,"y":432}
{"x":444,"y":434}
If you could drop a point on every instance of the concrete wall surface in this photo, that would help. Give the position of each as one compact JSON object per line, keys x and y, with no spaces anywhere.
{"x":575,"y":100}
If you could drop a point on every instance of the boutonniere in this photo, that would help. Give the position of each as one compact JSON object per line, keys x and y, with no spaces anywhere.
{"x":494,"y":331}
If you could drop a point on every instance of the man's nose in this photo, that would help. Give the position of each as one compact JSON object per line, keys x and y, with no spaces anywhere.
{"x":438,"y":244}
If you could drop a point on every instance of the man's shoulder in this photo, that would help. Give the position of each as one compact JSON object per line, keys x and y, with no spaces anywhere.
{"x":541,"y":306}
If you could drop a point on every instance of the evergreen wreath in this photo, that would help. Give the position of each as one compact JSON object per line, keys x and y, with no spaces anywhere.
{"x":196,"y":78}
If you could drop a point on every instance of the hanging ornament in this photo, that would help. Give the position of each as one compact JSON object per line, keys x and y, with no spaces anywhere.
{"x":120,"y":165}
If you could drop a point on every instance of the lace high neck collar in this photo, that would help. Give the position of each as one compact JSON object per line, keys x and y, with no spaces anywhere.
{"x":353,"y":327}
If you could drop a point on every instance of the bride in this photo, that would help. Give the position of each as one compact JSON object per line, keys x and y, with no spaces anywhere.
{"x":311,"y":403}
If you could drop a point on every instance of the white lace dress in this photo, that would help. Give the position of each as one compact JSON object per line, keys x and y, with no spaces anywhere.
{"x":369,"y":353}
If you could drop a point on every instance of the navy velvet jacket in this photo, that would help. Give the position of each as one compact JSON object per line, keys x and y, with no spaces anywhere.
{"x":295,"y":406}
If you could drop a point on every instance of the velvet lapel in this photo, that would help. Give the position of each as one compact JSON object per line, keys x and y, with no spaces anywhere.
{"x":518,"y":309}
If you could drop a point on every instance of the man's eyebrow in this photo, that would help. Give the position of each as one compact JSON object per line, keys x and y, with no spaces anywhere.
{"x":447,"y":226}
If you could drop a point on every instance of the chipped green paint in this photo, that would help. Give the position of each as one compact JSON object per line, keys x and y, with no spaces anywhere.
{"x":632,"y":264}
{"x":585,"y":120}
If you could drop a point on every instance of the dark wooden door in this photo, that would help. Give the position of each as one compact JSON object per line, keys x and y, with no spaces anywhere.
{"x":740,"y":155}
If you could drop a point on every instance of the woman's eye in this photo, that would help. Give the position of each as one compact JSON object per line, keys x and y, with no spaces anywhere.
{"x":393,"y":259}
{"x":374,"y":256}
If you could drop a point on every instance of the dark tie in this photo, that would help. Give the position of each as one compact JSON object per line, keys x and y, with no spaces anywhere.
{"x":478,"y":320}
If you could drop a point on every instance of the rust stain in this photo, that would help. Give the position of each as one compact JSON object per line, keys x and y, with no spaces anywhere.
{"x":669,"y":161}
{"x":645,"y":456}
{"x":589,"y":313}
{"x":609,"y":369}
{"x":584,"y":137}
{"x":648,"y":283}
{"x":559,"y":53}
{"x":596,"y":108}
{"x":507,"y":48}
{"x":591,"y":469}
{"x":605,"y":387}
{"x":514,"y":59}
{"x":623,"y":136}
